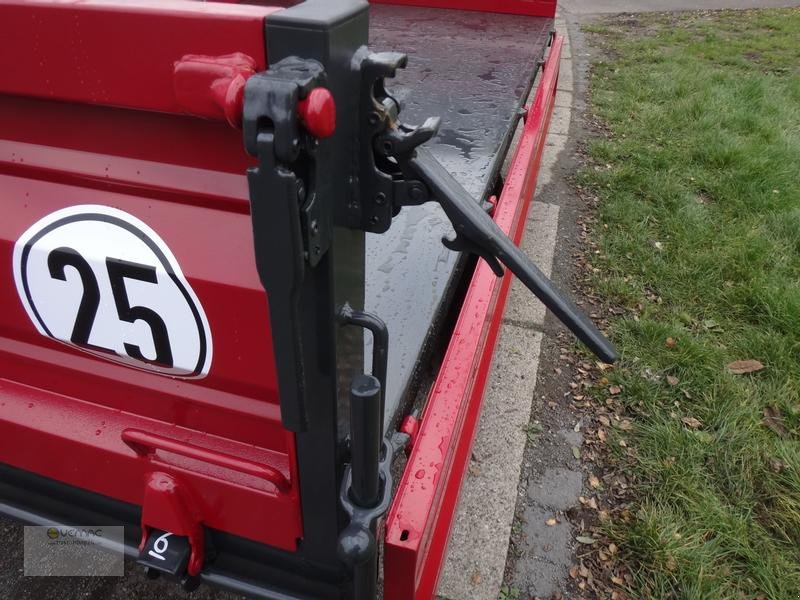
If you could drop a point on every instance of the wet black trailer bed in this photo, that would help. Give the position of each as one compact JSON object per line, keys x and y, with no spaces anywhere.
{"x":475,"y":70}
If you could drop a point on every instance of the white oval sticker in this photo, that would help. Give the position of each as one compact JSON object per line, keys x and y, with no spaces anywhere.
{"x":100,"y":279}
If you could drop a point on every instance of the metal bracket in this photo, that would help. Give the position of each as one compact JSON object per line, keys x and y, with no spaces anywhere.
{"x":380,"y":345}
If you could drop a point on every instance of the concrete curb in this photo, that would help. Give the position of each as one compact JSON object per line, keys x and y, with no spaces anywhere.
{"x":479,"y":542}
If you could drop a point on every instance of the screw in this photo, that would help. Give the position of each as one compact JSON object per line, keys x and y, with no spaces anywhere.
{"x":314,"y":227}
{"x":374,"y":220}
{"x":380,"y":198}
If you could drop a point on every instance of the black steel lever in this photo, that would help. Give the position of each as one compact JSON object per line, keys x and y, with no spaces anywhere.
{"x":476,"y":232}
{"x":393,"y":154}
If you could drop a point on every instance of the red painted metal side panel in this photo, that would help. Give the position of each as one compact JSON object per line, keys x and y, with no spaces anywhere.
{"x":419,"y":521}
{"x":62,"y":410}
{"x":81,"y":443}
{"x":532,"y":8}
{"x":119,"y":52}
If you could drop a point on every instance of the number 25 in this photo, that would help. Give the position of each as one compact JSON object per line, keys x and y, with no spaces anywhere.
{"x":118,"y":271}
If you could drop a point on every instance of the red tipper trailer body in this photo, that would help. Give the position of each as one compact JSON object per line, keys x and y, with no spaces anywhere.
{"x":205,"y":205}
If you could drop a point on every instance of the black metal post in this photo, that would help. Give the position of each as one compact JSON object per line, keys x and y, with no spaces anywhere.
{"x":365,"y":440}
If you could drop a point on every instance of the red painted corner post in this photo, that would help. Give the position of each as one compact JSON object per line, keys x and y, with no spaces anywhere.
{"x":421,"y":515}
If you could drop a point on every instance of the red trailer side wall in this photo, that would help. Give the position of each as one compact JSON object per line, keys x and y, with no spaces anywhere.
{"x":90,"y":115}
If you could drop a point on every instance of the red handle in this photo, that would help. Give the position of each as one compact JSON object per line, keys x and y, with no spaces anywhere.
{"x":146,"y":444}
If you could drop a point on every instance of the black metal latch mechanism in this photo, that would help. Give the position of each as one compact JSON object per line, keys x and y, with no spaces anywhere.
{"x":397,"y":172}
{"x":388,"y":169}
{"x":292,"y":231}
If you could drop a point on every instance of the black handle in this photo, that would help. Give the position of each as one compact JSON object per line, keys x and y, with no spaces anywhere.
{"x":476,"y":232}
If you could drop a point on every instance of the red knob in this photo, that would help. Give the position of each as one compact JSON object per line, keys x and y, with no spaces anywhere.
{"x":318,"y":112}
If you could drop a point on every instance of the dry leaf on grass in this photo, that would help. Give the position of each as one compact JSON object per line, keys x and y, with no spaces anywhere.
{"x":614,"y":390}
{"x":777,"y":464}
{"x":584,"y":539}
{"x":692,"y":422}
{"x":672,"y":380}
{"x":550,"y":522}
{"x":774,"y":420}
{"x":671,"y":342}
{"x":742,"y":367}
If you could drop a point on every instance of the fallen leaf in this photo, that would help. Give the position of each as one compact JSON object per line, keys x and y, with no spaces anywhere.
{"x":550,"y":522}
{"x":625,"y":425}
{"x":576,"y":452}
{"x":618,"y":580}
{"x":594,"y":482}
{"x":476,"y":578}
{"x":671,"y":342}
{"x":601,"y":434}
{"x":777,"y":464}
{"x":583,"y":539}
{"x":623,"y":444}
{"x":612,"y":548}
{"x":672,"y":564}
{"x":774,"y":420}
{"x":692,"y":422}
{"x":573,"y":571}
{"x":672,"y":380}
{"x":604,"y":420}
{"x":741,"y":367}
{"x":703,"y":436}
{"x":614,"y":390}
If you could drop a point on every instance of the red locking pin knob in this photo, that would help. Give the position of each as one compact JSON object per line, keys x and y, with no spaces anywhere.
{"x":318,"y":112}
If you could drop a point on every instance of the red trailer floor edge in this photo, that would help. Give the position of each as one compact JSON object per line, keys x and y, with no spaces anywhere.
{"x":418,"y":524}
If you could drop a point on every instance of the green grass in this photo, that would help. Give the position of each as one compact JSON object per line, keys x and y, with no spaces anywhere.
{"x":698,"y":232}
